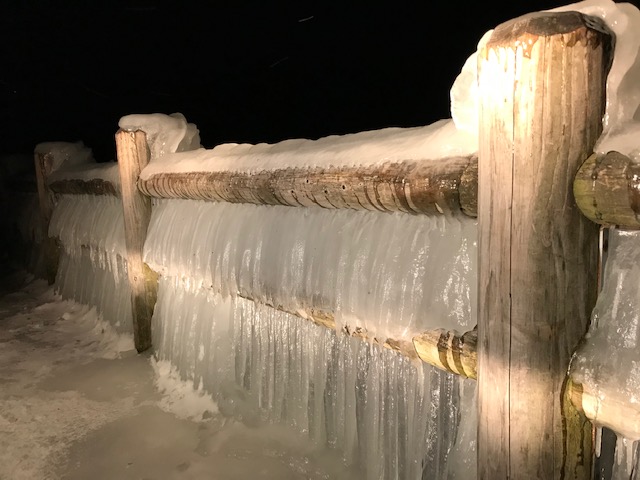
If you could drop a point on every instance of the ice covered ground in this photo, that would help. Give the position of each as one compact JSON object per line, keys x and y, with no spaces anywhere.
{"x":77,"y":402}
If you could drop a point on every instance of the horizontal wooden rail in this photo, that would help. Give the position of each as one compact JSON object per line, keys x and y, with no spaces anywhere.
{"x":94,"y":186}
{"x":609,"y":412}
{"x":607,"y":190}
{"x":448,"y":186}
{"x":447,"y":350}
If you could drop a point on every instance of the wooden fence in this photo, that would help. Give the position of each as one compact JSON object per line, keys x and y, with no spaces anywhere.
{"x":542,"y":89}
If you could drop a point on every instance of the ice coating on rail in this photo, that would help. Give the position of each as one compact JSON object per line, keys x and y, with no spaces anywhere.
{"x":608,"y":363}
{"x":92,"y":268}
{"x":621,"y":122}
{"x":392,"y":418}
{"x":392,"y":274}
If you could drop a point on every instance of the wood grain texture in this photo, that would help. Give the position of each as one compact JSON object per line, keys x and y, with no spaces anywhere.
{"x":446,"y":186}
{"x":541,"y":81}
{"x":133,"y":156}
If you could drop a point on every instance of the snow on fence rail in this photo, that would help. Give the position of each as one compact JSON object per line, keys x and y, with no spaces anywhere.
{"x":537,"y":249}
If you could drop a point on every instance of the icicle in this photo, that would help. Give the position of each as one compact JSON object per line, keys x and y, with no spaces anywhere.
{"x":392,"y":274}
{"x":80,"y":279}
{"x":624,"y":458}
{"x":265,"y":365}
{"x":598,"y":441}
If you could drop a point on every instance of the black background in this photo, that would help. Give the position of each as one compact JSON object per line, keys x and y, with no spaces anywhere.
{"x":242,"y":71}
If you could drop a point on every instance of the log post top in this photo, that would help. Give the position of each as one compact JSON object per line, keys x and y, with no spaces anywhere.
{"x":525,"y":30}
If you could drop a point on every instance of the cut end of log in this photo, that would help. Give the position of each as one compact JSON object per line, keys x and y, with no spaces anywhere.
{"x":531,"y":26}
{"x":607,"y":190}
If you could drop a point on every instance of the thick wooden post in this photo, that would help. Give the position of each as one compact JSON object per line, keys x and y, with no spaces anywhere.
{"x":133,"y":156}
{"x":44,"y":165}
{"x":541,"y":88}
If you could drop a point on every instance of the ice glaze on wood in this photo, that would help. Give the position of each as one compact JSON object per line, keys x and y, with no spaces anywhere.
{"x":447,"y":350}
{"x":608,"y":412}
{"x":95,"y":186}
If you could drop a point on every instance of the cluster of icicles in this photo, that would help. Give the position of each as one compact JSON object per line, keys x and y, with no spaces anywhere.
{"x":93,"y":268}
{"x":392,"y":274}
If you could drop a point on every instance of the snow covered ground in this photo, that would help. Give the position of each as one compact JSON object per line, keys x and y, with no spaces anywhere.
{"x":77,"y":402}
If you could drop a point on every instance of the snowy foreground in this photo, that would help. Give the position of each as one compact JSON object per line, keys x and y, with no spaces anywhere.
{"x":77,"y":402}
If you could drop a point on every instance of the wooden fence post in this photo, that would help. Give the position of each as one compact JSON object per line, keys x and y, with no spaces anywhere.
{"x":133,"y":156}
{"x":541,"y":88}
{"x":44,"y":165}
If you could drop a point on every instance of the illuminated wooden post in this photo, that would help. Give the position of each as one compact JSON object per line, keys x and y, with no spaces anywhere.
{"x":44,"y":165}
{"x":541,"y":89}
{"x":133,"y":156}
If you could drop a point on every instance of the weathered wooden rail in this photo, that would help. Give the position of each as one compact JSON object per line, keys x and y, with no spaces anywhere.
{"x":541,"y":80}
{"x":448,"y":186}
{"x":94,"y":186}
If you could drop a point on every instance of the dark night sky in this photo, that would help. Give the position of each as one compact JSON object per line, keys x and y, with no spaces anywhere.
{"x":243,"y":71}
